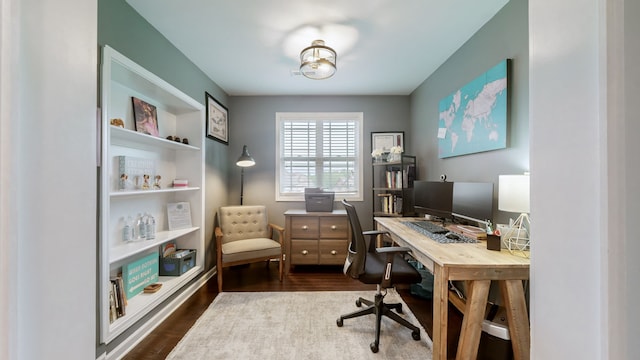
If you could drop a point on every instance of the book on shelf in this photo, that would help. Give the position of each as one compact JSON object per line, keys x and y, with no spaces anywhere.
{"x":391,"y":204}
{"x":113,"y":313}
{"x":394,"y":179}
{"x":117,"y":299}
{"x":409,"y":176}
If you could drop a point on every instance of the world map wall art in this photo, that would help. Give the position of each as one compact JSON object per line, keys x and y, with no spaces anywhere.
{"x":474,"y":118}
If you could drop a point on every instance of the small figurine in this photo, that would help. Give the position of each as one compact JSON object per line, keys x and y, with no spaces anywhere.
{"x":170,"y":138}
{"x":156,"y":184}
{"x":123,"y":182}
{"x":117,"y":122}
{"x":145,"y":183}
{"x":185,"y":141}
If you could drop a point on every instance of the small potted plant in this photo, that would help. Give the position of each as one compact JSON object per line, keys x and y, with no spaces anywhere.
{"x":394,"y":153}
{"x":377,"y":155}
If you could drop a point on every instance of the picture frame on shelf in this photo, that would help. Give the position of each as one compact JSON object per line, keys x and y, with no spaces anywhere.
{"x":384,"y":141}
{"x":145,"y":117}
{"x":217,"y":120}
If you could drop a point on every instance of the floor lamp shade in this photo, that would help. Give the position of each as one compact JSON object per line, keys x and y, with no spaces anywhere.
{"x":245,"y":160}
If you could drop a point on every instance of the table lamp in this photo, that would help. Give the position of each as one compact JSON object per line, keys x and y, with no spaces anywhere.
{"x":513,"y":196}
{"x":245,"y":160}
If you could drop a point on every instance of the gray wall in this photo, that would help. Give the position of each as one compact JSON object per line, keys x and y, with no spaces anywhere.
{"x":253,"y":122}
{"x":505,"y":36}
{"x":122,"y":28}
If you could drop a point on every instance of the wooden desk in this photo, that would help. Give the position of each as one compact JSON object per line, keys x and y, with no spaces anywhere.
{"x":478,"y":266}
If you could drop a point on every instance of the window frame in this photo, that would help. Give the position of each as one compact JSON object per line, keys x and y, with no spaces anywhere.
{"x":357,"y":117}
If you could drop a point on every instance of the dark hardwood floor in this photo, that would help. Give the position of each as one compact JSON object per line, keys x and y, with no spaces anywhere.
{"x":257,"y":277}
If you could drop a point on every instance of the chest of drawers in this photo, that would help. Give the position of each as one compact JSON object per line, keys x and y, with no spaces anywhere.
{"x":318,"y":238}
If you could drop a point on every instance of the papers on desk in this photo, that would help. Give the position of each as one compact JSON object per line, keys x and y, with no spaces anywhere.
{"x":473,"y":232}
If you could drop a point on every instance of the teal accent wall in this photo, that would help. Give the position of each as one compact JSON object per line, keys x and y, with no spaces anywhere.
{"x":505,"y":36}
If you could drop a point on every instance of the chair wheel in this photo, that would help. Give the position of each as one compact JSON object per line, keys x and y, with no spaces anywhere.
{"x":358,"y":303}
{"x":374,"y":347}
{"x":415,"y":335}
{"x":339,"y":323}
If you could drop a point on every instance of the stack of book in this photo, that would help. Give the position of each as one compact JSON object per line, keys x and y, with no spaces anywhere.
{"x":117,"y":299}
{"x":391,"y":204}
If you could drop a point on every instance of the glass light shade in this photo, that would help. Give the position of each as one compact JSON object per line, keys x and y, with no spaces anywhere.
{"x":245,"y":160}
{"x":513,"y":193}
{"x":318,"y":61}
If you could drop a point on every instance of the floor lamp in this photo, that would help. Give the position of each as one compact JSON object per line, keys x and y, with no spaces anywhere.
{"x":245,"y":160}
{"x":513,"y":196}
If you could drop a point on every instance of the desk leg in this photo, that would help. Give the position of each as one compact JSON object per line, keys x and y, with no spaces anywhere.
{"x":440,"y":312}
{"x":513,"y":295}
{"x":478,"y":291}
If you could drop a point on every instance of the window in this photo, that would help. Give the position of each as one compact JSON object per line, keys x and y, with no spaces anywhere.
{"x":321,"y":150}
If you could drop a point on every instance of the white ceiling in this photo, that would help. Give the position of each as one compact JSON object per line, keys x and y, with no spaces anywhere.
{"x":251,"y":47}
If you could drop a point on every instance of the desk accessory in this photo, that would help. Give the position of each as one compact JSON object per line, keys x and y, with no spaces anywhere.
{"x":513,"y":196}
{"x":493,"y":242}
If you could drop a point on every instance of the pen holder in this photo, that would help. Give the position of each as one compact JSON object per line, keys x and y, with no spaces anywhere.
{"x":493,"y":242}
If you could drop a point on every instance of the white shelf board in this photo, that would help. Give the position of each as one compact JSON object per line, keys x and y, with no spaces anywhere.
{"x":151,"y":192}
{"x":121,"y":252}
{"x":139,"y":305}
{"x":138,"y":140}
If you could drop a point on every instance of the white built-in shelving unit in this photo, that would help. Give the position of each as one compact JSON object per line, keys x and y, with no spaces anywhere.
{"x":178,"y":115}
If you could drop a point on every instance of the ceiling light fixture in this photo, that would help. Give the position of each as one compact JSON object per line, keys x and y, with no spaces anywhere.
{"x":318,"y":61}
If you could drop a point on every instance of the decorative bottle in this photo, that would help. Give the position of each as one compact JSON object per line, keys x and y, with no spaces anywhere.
{"x":126,"y":229}
{"x":150,"y":225}
{"x":139,"y":231}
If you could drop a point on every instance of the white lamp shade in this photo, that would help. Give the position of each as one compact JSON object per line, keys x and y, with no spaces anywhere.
{"x":513,"y":193}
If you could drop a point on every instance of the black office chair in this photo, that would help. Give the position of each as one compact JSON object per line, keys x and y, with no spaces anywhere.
{"x":382,"y":266}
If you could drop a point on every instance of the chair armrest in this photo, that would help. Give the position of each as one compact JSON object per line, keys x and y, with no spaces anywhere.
{"x":280,"y":231}
{"x":390,"y":252}
{"x":218,"y":234}
{"x":374,"y":232}
{"x":393,"y":250}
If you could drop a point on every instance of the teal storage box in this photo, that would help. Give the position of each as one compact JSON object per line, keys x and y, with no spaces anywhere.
{"x":178,"y":263}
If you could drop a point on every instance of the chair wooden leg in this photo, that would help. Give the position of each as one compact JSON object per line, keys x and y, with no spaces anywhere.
{"x":281,"y":267}
{"x":219,"y":278}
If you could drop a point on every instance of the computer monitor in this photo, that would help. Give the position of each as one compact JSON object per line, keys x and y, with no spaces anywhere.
{"x":473,"y":201}
{"x":433,"y":198}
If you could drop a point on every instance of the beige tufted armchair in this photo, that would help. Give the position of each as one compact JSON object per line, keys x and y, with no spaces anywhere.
{"x":245,"y":236}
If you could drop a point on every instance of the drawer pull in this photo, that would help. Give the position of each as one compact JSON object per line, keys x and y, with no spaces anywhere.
{"x":333,"y":227}
{"x":304,"y":252}
{"x":333,"y":252}
{"x":305,"y":227}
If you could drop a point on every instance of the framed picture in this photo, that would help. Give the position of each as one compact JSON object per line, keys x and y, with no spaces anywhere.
{"x":217,"y":120}
{"x":146,"y":117}
{"x":384,"y":141}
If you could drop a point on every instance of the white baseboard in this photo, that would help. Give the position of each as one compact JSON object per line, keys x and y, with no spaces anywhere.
{"x":134,"y":339}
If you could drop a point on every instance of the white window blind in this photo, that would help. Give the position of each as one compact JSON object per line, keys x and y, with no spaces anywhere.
{"x":321,"y":150}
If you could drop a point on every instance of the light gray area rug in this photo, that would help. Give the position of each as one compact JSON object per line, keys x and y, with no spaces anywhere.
{"x":297,"y":325}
